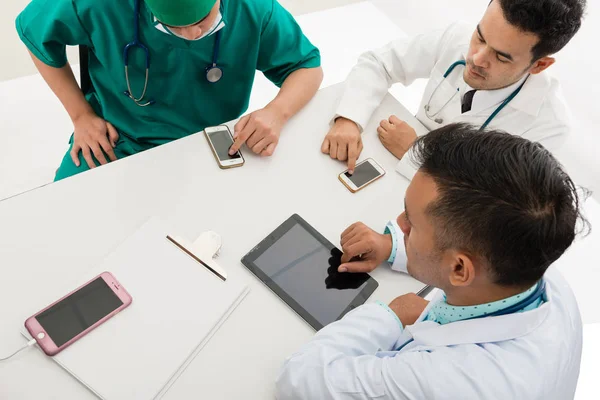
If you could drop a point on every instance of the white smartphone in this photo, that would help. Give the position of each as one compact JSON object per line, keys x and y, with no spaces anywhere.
{"x":365,"y":173}
{"x":220,"y":141}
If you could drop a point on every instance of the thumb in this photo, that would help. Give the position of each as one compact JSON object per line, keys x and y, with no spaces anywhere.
{"x":357,"y":266}
{"x":346,"y":257}
{"x":325,"y":146}
{"x":113,"y":135}
{"x":395,"y":120}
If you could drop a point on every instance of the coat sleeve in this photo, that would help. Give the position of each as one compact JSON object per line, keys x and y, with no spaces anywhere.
{"x":342,"y":363}
{"x":399,"y":261}
{"x":340,"y":358}
{"x":46,"y":27}
{"x":406,"y":166}
{"x":401,"y":61}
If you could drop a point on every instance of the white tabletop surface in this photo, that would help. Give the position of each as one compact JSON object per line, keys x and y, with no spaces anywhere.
{"x":51,"y":234}
{"x":56,"y":232}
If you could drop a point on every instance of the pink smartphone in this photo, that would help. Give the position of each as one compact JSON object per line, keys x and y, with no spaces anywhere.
{"x":67,"y":320}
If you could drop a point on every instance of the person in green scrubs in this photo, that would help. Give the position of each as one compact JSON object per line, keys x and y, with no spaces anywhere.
{"x":200,"y":66}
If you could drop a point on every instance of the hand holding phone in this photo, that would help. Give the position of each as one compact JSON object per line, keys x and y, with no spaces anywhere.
{"x":69,"y":319}
{"x":365,"y":173}
{"x":220,"y":141}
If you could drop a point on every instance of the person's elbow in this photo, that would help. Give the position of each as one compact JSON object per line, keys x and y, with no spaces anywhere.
{"x":297,"y":381}
{"x":312,"y":78}
{"x":319,"y":75}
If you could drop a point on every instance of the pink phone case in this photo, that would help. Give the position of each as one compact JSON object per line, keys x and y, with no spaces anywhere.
{"x":47,"y":344}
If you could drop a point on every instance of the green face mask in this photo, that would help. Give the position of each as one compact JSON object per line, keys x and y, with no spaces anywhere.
{"x":180,"y":12}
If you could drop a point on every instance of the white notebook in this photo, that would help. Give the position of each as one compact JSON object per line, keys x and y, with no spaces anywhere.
{"x":177,"y":306}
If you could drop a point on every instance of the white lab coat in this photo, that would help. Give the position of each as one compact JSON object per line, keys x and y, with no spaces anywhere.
{"x":537,"y":113}
{"x":531,"y":355}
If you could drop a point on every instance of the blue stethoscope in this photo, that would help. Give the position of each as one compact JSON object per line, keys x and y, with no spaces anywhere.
{"x":448,"y":72}
{"x":213,"y":72}
{"x":538,"y":294}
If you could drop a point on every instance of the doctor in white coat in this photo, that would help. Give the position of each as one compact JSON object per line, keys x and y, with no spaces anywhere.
{"x":503,"y":327}
{"x":490,"y":76}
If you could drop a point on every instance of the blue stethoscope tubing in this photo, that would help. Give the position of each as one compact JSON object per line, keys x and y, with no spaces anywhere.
{"x":136,"y":44}
{"x":490,"y":118}
{"x":213,"y":72}
{"x":538,"y":294}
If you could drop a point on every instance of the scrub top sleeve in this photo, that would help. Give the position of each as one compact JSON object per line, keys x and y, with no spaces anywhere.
{"x":283,"y":47}
{"x":46,"y":27}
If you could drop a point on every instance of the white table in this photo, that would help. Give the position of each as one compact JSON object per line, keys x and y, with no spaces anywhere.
{"x":56,"y":232}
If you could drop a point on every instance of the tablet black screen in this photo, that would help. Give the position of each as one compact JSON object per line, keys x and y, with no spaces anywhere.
{"x":301,"y":266}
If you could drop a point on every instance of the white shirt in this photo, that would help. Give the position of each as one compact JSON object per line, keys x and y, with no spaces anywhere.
{"x":532,"y":355}
{"x":537,"y":113}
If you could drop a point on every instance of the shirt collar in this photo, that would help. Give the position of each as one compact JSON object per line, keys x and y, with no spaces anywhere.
{"x":444,"y":313}
{"x":484,"y":99}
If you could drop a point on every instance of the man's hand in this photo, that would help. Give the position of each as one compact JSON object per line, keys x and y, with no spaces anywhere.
{"x":368,"y":247}
{"x":93,"y":136}
{"x":259,"y":130}
{"x":343,"y":142}
{"x":396,"y":135}
{"x":408,"y":308}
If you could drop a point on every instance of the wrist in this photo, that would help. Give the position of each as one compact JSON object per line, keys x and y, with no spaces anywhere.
{"x":79,"y":113}
{"x":411,"y":140}
{"x":387,"y":245}
{"x":392,"y":313}
{"x":343,"y":121}
{"x":281,"y":109}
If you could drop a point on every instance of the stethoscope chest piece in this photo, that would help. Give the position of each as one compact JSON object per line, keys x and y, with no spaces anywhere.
{"x":213,"y":73}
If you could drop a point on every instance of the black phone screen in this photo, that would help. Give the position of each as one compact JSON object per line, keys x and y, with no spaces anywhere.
{"x":77,"y":312}
{"x":222,"y":142}
{"x":363,"y":173}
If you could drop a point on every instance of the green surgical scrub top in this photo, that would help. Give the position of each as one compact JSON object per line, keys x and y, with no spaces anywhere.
{"x":258,"y":34}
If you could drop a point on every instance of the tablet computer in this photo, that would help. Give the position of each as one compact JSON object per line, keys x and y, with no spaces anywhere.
{"x":300,"y":266}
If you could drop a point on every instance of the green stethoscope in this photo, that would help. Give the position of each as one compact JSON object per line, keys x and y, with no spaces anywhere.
{"x":439,"y":120}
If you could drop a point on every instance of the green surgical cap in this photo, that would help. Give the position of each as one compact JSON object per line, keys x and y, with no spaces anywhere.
{"x":180,"y":12}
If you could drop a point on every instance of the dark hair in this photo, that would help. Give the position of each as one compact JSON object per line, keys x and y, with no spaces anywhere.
{"x":555,"y":22}
{"x":501,"y":198}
